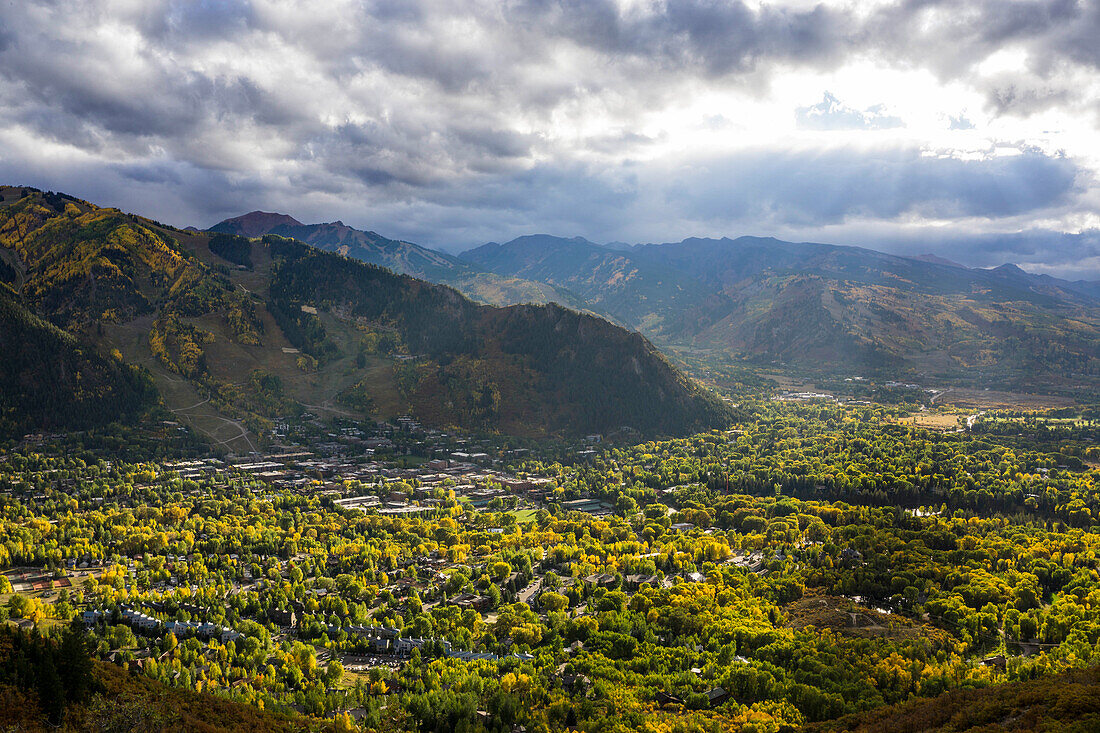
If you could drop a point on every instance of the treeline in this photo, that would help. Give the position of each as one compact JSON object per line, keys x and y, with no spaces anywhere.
{"x":232,"y":248}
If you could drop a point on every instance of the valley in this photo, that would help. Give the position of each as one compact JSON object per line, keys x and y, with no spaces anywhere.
{"x":821,"y":309}
{"x":312,"y":493}
{"x":815,"y":566}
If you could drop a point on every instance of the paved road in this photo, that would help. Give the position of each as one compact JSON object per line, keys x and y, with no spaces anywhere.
{"x":526,"y":594}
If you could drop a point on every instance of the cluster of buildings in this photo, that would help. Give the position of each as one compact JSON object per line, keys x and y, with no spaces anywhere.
{"x":364,"y":483}
{"x":151,"y":626}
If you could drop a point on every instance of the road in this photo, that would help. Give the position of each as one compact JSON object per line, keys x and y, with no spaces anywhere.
{"x":970,"y":420}
{"x":191,"y":407}
{"x":330,"y":409}
{"x":526,"y":594}
{"x":243,"y":434}
{"x":941,"y":394}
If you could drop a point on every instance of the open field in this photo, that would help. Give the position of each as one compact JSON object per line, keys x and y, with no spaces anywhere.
{"x":789,"y":383}
{"x":524,"y":515}
{"x":934,"y":420}
{"x":844,"y":616}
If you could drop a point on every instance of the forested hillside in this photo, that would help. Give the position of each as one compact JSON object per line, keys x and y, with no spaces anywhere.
{"x":49,"y":684}
{"x":1065,"y":703}
{"x":828,"y":308}
{"x":238,"y":332}
{"x":513,"y":367}
{"x":50,"y":380}
{"x":662,"y":301}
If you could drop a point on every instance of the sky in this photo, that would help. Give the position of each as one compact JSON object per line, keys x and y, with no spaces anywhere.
{"x":966,"y":129}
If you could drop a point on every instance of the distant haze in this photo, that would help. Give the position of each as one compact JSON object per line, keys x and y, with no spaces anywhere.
{"x":964,"y":130}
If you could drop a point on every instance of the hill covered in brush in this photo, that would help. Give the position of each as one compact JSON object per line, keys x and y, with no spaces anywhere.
{"x":1063,"y":703}
{"x":237,"y":331}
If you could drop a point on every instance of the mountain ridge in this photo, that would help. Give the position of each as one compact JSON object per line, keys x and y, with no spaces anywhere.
{"x":236,"y":332}
{"x":825,"y":307}
{"x":406,"y":258}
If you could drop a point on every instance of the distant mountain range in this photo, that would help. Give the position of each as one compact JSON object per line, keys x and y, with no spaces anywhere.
{"x":814,"y":307}
{"x":826,"y":307}
{"x":230,"y":332}
{"x":404,"y":258}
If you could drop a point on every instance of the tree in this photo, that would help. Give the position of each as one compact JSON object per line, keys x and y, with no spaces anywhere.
{"x":552,"y":601}
{"x":51,"y":689}
{"x":334,"y":672}
{"x":76,"y":661}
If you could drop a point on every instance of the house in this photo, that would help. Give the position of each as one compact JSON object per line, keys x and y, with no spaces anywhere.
{"x":997,"y":661}
{"x":575,"y":683}
{"x":139,"y":620}
{"x":850,"y":556}
{"x":601,"y":580}
{"x":469,"y":600}
{"x":281,"y":617}
{"x":665,"y":698}
{"x":717,"y":696}
{"x":473,"y":656}
{"x":634,"y":582}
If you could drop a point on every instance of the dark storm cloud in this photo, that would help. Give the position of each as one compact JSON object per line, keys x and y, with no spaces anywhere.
{"x":717,"y":37}
{"x":1059,"y":254}
{"x":764,"y":190}
{"x":829,"y":187}
{"x":196,"y":19}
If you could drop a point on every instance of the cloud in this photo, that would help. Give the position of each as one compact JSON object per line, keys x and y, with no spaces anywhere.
{"x":831,"y":114}
{"x":960,"y":122}
{"x":1059,"y":254}
{"x":821,"y":188}
{"x":454,"y":122}
{"x":712,"y":37}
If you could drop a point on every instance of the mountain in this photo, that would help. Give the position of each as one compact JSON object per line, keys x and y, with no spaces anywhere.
{"x":515,"y":366}
{"x":645,"y":295}
{"x":937,"y":260}
{"x":405,"y":258}
{"x":826,"y":307}
{"x":235,"y":332}
{"x":50,"y":380}
{"x":255,"y":224}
